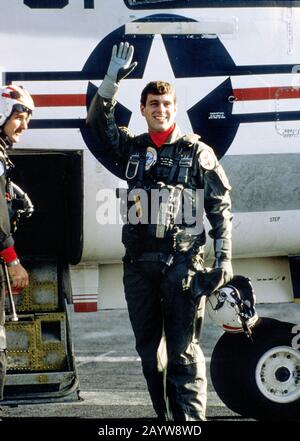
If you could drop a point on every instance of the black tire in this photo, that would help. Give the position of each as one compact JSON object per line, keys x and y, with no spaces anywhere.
{"x":260,"y":378}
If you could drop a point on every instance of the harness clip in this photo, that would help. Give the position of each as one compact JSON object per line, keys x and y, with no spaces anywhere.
{"x":132,"y":166}
{"x":185,"y":162}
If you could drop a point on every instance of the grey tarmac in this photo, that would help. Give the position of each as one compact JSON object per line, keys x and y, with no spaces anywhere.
{"x":111,"y":381}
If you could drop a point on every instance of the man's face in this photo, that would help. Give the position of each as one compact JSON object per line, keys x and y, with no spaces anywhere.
{"x":159,"y":111}
{"x":16,"y":124}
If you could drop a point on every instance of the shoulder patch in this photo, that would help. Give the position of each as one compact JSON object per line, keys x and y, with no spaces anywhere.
{"x":207,"y":159}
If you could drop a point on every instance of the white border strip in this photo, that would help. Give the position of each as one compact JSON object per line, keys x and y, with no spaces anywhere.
{"x":182,"y":28}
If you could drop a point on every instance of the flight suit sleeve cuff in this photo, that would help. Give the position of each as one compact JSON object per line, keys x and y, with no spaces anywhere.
{"x":8,"y":254}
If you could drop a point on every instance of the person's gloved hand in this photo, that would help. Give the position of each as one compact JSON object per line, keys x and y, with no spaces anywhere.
{"x":120,"y":64}
{"x":223,"y":258}
{"x":119,"y":67}
{"x":226,"y":266}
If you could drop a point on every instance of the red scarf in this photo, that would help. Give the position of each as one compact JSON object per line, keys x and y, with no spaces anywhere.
{"x":159,"y":138}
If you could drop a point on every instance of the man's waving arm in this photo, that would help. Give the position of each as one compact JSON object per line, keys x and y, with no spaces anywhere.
{"x":101,"y":112}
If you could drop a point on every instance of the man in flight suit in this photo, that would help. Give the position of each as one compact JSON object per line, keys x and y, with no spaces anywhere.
{"x":16,"y":106}
{"x":159,"y":262}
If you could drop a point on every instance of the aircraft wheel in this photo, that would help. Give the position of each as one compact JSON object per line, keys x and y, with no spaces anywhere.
{"x":260,"y":378}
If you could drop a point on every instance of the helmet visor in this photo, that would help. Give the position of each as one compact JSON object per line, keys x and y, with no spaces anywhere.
{"x":21,"y":108}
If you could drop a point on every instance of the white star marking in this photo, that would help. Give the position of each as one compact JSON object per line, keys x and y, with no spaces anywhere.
{"x":188,"y":90}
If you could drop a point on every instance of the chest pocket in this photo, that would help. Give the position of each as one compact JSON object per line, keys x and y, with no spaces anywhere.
{"x":176,"y":168}
{"x":174,"y":165}
{"x":164,"y":167}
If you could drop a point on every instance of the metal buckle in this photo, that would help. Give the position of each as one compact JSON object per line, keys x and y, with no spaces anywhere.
{"x":134,"y":161}
{"x":185,"y":162}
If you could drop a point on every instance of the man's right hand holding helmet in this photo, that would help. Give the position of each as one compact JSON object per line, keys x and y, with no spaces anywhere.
{"x":119,"y":67}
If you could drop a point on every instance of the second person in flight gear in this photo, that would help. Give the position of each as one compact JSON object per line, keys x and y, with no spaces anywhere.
{"x":16,"y":106}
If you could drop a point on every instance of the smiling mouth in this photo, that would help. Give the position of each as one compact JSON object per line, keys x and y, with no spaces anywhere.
{"x":160,"y":118}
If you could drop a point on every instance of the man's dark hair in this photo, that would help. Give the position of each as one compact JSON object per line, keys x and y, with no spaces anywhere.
{"x":157,"y":88}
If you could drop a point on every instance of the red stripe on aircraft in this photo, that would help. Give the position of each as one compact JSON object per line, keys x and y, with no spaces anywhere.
{"x":266,"y":93}
{"x":250,"y":94}
{"x":59,"y":100}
